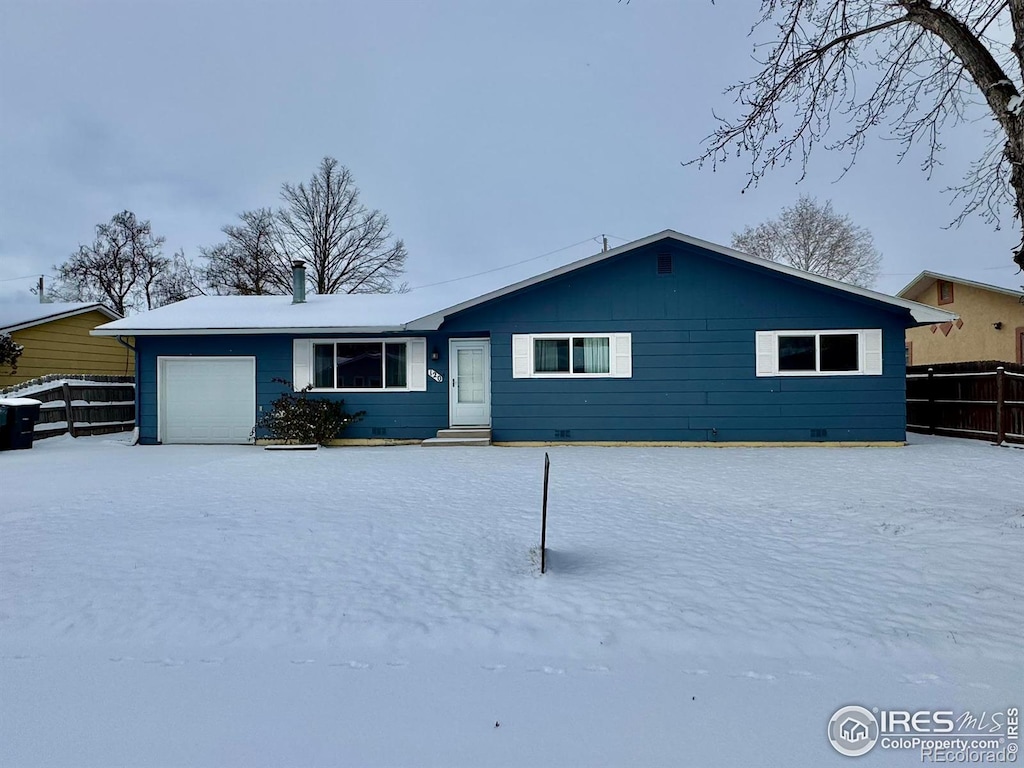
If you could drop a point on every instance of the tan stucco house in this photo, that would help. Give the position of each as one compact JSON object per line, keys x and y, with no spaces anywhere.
{"x":990,"y":326}
{"x":56,"y":340}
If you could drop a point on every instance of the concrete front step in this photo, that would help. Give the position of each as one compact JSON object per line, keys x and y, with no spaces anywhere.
{"x":449,"y":441}
{"x":474,"y":432}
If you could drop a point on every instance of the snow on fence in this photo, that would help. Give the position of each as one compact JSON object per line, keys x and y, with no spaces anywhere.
{"x":980,"y":400}
{"x":80,"y":405}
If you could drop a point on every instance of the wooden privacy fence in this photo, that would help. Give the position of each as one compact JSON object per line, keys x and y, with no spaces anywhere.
{"x":979,"y":400}
{"x":93,"y":405}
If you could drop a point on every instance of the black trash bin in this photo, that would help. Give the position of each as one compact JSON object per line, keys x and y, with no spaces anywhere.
{"x":22,"y":415}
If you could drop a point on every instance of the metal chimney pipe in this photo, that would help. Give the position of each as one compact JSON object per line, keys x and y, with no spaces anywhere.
{"x":298,"y":282}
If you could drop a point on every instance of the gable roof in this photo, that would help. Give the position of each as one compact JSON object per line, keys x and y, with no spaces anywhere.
{"x":415,"y":311}
{"x":922,"y":313}
{"x":15,"y":317}
{"x":926,"y":278}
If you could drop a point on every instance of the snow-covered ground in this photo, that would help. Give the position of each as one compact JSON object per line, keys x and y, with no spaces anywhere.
{"x":187,"y":605}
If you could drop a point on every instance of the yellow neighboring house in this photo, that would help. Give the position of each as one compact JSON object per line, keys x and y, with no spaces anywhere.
{"x":991,"y":324}
{"x":56,"y":340}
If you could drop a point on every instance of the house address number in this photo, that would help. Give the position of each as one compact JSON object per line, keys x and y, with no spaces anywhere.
{"x":435,"y":375}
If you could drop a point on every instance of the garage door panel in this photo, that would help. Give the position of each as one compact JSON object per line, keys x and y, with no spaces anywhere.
{"x":207,"y":400}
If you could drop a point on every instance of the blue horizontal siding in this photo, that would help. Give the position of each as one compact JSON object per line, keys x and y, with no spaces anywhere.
{"x":693,"y":360}
{"x":693,"y":338}
{"x":403,"y":415}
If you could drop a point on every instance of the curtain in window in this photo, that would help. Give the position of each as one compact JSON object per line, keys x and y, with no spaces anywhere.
{"x":551,"y":355}
{"x":595,"y":355}
{"x":395,"y":365}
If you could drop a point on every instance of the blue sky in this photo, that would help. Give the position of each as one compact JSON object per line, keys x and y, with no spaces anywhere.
{"x":489,"y":133}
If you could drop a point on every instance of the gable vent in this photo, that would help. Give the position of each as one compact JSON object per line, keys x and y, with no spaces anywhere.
{"x":664,"y":263}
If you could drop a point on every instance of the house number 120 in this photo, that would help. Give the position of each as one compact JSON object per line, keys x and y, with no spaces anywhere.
{"x":435,"y":375}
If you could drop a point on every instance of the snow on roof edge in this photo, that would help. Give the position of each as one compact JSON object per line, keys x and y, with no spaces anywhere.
{"x":921,"y":313}
{"x":69,"y":309}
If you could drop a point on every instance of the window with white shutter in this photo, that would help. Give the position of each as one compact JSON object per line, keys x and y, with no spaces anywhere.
{"x":834,"y":352}
{"x":360,"y":365}
{"x":572,"y":355}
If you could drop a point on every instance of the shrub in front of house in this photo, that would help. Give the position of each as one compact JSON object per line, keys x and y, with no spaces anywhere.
{"x":298,"y":419}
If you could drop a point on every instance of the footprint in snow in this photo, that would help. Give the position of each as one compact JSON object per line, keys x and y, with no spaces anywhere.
{"x":925,"y":678}
{"x":350,"y":664}
{"x":758,"y":676}
{"x":596,"y":668}
{"x":493,"y":667}
{"x":212,"y":661}
{"x":801,"y":673}
{"x":695,"y":672}
{"x":397,"y":663}
{"x":303,"y":661}
{"x":548,"y":670}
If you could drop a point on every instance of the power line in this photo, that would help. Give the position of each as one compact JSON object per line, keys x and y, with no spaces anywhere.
{"x":26,"y":277}
{"x":506,"y":266}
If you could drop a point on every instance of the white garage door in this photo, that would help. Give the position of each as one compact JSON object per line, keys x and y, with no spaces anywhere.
{"x":207,"y":399}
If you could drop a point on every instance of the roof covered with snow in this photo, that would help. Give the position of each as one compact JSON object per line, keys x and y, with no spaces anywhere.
{"x":14,"y":317}
{"x":926,"y":279}
{"x":416,"y":310}
{"x":348,"y":312}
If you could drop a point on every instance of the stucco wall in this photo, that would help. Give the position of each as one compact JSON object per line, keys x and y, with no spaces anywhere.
{"x":976,"y":338}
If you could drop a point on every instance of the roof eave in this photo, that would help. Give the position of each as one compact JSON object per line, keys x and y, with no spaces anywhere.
{"x":97,"y":307}
{"x":104,"y":331}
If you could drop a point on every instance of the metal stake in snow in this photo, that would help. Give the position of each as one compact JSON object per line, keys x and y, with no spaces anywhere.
{"x":544,"y":515}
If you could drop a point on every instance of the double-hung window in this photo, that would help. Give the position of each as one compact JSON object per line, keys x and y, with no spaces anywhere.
{"x":357,"y":365}
{"x":819,"y":353}
{"x":572,"y":355}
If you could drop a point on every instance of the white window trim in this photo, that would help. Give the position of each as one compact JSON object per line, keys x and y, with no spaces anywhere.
{"x":415,"y":364}
{"x":869,"y":352}
{"x":620,"y":356}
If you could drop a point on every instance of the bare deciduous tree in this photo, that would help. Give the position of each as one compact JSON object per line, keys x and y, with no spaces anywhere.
{"x":839,"y":69}
{"x":812,"y":237}
{"x":347,"y":247}
{"x":249,"y":262}
{"x":122,"y":268}
{"x":181,"y":280}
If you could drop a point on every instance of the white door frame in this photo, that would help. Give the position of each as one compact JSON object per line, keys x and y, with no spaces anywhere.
{"x":161,"y":401}
{"x":453,"y":362}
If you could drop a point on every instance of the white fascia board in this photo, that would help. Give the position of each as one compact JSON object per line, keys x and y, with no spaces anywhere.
{"x":922,"y":313}
{"x":925,"y":278}
{"x":60,"y":316}
{"x":242,"y":331}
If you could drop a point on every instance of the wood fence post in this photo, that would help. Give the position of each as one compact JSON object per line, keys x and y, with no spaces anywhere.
{"x":1000,"y":401}
{"x":69,"y":414}
{"x":931,"y":401}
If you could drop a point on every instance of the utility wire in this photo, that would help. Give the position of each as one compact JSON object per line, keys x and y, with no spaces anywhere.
{"x":25,"y":277}
{"x":506,"y":266}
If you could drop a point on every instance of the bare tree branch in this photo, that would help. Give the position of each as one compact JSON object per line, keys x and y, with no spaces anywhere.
{"x":839,"y":71}
{"x":347,"y":248}
{"x":120,"y":268}
{"x":813,"y":237}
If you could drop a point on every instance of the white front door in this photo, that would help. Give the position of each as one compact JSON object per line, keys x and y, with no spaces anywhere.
{"x":469,"y":397}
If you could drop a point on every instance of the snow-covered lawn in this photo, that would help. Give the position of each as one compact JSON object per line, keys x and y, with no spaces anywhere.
{"x":383,"y":606}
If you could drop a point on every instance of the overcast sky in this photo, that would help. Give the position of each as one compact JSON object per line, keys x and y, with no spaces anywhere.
{"x":490,"y":133}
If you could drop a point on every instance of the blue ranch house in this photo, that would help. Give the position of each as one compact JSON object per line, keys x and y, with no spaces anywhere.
{"x":668,"y":339}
